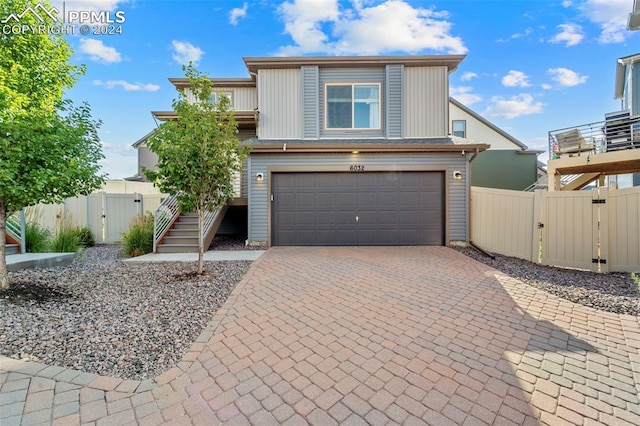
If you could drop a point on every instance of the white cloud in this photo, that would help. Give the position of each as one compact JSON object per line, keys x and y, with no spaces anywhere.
{"x":468,"y":76}
{"x":129,"y":87}
{"x":567,"y":3}
{"x":525,"y":33}
{"x":513,"y":107}
{"x":464,"y":95}
{"x":515,"y":79}
{"x":611,"y":16}
{"x":319,"y":26}
{"x":565,"y":77}
{"x":89,"y":5}
{"x":97,"y":51}
{"x":570,"y":34}
{"x":237,"y":13}
{"x":546,"y":86}
{"x":185,"y":52}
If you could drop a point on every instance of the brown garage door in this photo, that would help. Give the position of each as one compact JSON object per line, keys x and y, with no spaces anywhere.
{"x":372,"y":208}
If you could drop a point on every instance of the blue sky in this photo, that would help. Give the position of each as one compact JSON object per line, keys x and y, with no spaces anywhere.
{"x":531,"y":66}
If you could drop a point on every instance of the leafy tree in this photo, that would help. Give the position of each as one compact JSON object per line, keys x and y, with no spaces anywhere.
{"x":49,"y":149}
{"x":198,"y":153}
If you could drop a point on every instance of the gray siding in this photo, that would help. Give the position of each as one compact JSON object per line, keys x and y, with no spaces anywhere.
{"x":310,"y":103}
{"x":242,"y":98}
{"x":351,"y":75}
{"x":258,"y":192}
{"x":279,"y":97}
{"x":394,"y":96}
{"x":635,"y":89}
{"x":426,"y":101}
{"x":146,"y":158}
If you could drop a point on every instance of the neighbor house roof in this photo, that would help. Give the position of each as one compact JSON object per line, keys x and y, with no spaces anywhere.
{"x":492,"y":126}
{"x":183,"y":82}
{"x":143,"y":139}
{"x":634,"y":17}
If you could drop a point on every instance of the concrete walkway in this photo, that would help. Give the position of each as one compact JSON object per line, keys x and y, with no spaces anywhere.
{"x":16,"y":262}
{"x":405,"y":335}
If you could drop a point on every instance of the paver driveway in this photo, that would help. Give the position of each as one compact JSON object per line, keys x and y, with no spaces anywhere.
{"x":408,"y":335}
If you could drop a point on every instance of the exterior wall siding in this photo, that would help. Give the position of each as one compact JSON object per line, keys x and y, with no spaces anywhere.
{"x":279,"y":97}
{"x":351,"y":75}
{"x":504,"y":169}
{"x":146,"y":158}
{"x":242,"y":98}
{"x":394,"y":112}
{"x":426,"y":101}
{"x":258,"y":192}
{"x":310,"y":102}
{"x":635,"y":89}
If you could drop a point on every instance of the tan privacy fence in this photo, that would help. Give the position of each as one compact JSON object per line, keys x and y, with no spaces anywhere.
{"x":597,"y":229}
{"x":107,"y":215}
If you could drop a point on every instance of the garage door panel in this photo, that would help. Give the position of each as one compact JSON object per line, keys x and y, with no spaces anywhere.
{"x":393,"y":208}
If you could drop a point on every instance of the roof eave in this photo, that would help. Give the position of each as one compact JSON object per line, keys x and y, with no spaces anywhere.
{"x":349,"y":148}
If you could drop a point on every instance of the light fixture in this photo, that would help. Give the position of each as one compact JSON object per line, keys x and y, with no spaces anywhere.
{"x":355,"y":152}
{"x":457,"y":175}
{"x":259,"y":177}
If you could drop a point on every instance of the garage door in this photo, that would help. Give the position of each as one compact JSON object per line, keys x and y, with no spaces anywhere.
{"x":372,"y":208}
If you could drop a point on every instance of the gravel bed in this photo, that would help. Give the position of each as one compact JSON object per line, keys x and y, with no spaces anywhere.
{"x":233,"y":242}
{"x":104,"y":316}
{"x":613,"y":292}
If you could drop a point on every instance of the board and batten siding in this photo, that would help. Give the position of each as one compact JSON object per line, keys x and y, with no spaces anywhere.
{"x":310,"y":102}
{"x":394,"y":114}
{"x":448,"y":162}
{"x":351,"y":75}
{"x":426,"y":101}
{"x":279,"y":97}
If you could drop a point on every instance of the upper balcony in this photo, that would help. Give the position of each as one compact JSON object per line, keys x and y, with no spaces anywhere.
{"x":595,"y":150}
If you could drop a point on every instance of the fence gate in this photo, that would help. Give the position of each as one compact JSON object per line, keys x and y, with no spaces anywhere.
{"x":575,"y":229}
{"x":119,"y":209}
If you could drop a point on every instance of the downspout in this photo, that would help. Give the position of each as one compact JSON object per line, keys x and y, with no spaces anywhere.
{"x":473,"y":157}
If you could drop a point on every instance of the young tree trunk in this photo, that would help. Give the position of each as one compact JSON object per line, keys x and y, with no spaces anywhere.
{"x":200,"y":240}
{"x":4,"y":277}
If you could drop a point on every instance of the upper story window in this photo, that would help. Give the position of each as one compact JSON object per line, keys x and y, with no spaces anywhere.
{"x":352,"y":106}
{"x":459,"y":128}
{"x":215,"y":97}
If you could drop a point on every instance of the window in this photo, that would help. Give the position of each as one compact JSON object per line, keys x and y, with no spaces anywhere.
{"x":215,"y":97}
{"x":459,"y":128}
{"x":352,"y":106}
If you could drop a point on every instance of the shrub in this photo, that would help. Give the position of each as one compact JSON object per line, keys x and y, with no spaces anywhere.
{"x":66,"y":239}
{"x":85,"y":237}
{"x":139,"y":239}
{"x":36,"y":237}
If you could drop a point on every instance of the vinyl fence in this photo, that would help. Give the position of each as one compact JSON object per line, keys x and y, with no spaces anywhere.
{"x":597,"y":230}
{"x":107,"y":215}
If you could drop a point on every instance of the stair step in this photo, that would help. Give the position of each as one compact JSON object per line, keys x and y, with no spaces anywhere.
{"x":183,"y":233}
{"x":187,"y":226}
{"x":177,"y":248}
{"x":11,"y":249}
{"x":180,"y":240}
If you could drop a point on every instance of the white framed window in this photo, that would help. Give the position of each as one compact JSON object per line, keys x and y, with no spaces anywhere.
{"x":459,"y":128}
{"x":215,"y":97}
{"x":352,"y":106}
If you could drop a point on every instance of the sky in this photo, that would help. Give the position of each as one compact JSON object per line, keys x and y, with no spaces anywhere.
{"x":530,"y":66}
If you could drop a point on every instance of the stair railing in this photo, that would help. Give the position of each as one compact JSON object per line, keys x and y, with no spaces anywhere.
{"x":16,"y":228}
{"x":166,"y":213}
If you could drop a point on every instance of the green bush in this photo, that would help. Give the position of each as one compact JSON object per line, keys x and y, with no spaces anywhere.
{"x":36,"y":237}
{"x":85,"y":237}
{"x":139,"y":239}
{"x":66,"y":240}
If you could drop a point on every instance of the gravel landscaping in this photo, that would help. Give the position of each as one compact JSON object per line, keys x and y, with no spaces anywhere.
{"x":612,"y":292}
{"x":101,"y":315}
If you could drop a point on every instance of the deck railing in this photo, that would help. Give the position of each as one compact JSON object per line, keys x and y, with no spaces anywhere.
{"x":620,"y":131}
{"x":16,"y":228}
{"x":163,"y":218}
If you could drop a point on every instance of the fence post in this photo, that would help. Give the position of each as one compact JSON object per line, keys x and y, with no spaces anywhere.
{"x":601,"y":230}
{"x":536,"y":240}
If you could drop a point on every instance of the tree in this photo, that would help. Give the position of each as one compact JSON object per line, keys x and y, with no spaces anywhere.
{"x":198,"y":152}
{"x":49,"y":148}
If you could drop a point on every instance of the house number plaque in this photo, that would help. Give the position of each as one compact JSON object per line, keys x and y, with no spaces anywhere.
{"x":356,"y":168}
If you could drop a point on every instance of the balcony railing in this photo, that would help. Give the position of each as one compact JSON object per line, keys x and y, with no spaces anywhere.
{"x":619,"y":131}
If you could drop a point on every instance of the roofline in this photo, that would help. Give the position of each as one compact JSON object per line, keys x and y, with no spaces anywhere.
{"x":621,"y":65}
{"x":255,"y":63}
{"x":143,"y":139}
{"x":172,"y":115}
{"x":182,"y":82}
{"x":362,"y":148}
{"x":489,"y":124}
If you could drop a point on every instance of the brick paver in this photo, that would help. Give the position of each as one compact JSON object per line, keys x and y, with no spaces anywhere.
{"x":367,"y":335}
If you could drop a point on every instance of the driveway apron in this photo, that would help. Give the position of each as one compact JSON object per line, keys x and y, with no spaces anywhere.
{"x":368,"y":335}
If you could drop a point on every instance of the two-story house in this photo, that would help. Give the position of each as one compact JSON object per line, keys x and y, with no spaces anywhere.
{"x":349,"y":150}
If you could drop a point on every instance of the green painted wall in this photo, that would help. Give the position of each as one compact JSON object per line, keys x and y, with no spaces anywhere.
{"x":504,"y":169}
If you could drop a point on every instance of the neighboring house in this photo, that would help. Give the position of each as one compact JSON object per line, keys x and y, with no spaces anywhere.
{"x":606,"y":151}
{"x":351,"y":150}
{"x":507,"y":164}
